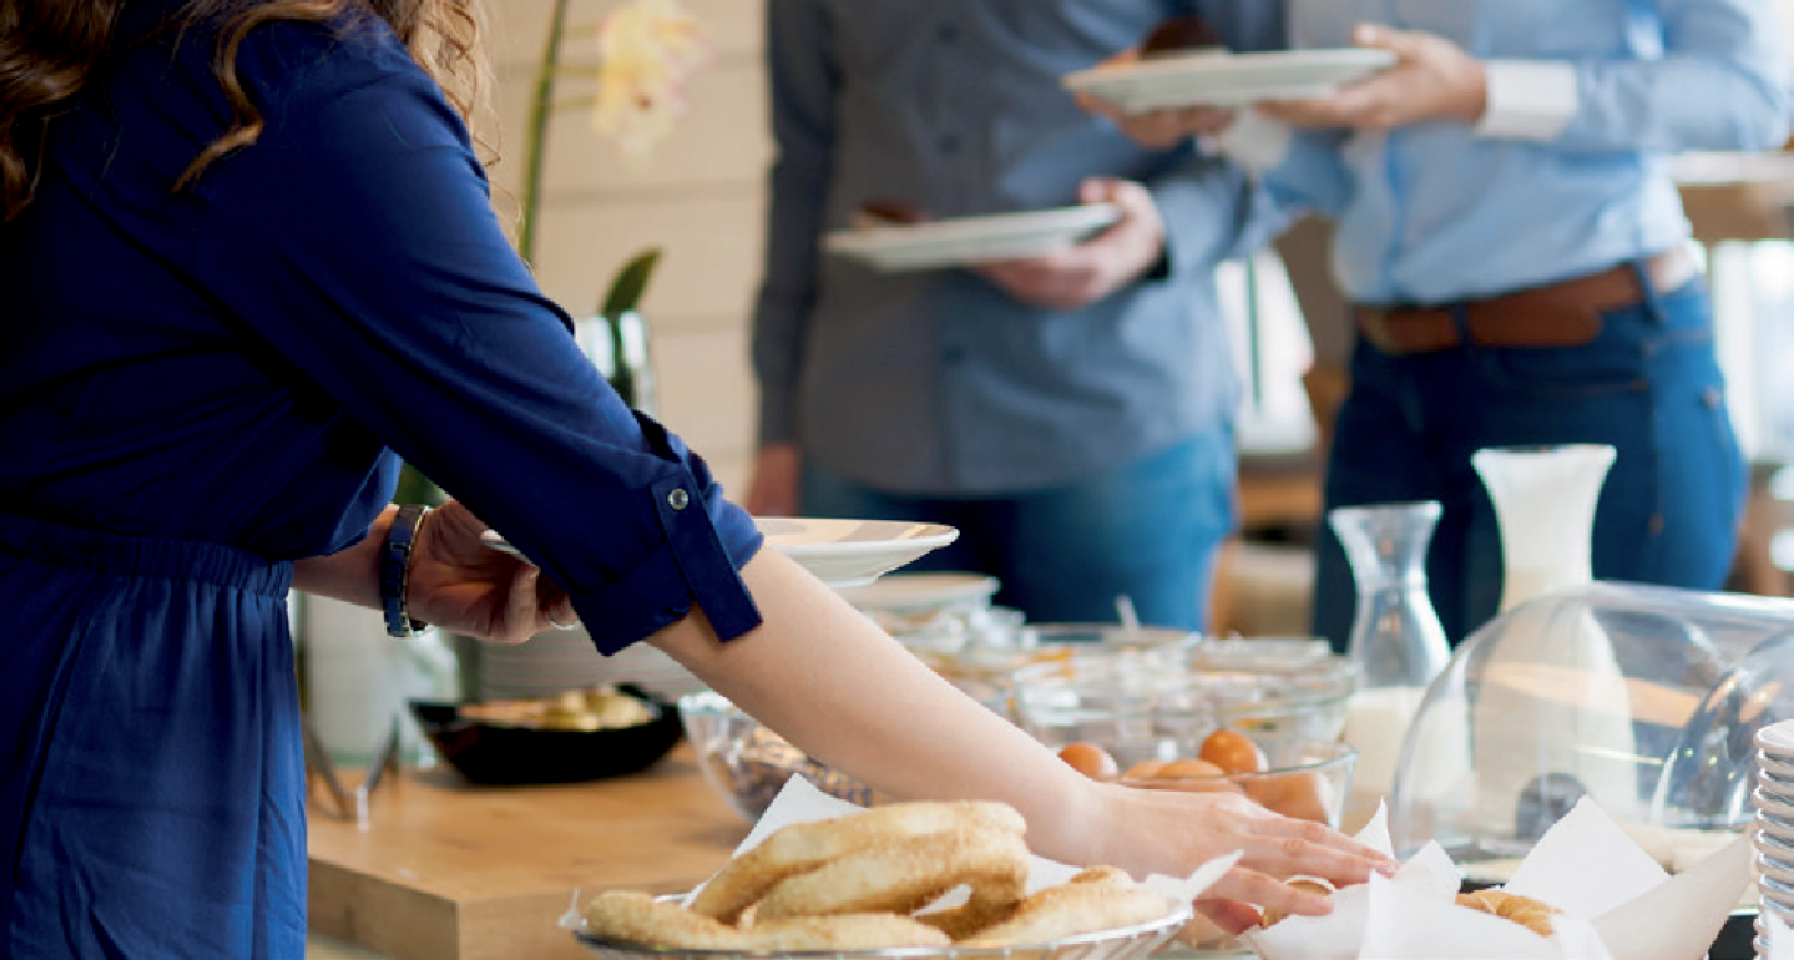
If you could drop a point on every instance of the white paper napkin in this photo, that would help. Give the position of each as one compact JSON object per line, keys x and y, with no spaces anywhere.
{"x":1616,"y":902}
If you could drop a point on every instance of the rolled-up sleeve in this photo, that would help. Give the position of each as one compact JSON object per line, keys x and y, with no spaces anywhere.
{"x":356,"y":247}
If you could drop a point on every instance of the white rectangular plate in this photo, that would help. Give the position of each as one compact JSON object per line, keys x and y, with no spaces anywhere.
{"x":948,"y":243}
{"x":1226,"y":79}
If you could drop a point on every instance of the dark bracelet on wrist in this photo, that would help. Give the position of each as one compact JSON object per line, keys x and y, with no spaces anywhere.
{"x":395,"y":570}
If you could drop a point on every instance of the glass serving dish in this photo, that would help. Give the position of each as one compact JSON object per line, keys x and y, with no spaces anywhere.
{"x":988,"y":645}
{"x":1121,"y":943}
{"x":747,"y":764}
{"x":1645,"y":698}
{"x":1305,"y":779}
{"x":1282,"y":688}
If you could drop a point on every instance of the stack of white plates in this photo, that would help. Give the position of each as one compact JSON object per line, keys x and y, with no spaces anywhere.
{"x":1774,"y":841}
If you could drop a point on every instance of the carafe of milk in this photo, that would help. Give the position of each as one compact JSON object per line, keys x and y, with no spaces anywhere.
{"x":1397,"y":643}
{"x":1581,"y":736}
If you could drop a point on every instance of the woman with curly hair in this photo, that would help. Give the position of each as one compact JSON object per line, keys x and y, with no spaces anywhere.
{"x":248,"y":261}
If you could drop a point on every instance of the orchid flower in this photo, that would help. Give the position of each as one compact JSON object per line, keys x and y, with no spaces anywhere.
{"x":647,"y":50}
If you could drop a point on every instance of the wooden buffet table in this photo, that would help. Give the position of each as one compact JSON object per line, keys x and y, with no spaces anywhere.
{"x":447,"y":871}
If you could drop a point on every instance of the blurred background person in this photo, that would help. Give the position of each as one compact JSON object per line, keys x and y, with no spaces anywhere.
{"x":1519,"y":265}
{"x":1072,"y":414}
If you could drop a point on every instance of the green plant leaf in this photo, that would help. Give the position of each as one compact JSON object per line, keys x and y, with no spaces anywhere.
{"x":630,"y":283}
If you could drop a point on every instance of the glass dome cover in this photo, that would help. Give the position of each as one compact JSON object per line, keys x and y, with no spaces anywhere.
{"x":1645,"y":698}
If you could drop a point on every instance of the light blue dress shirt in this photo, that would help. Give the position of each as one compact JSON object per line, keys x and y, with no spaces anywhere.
{"x":1567,"y":175}
{"x":939,"y":382}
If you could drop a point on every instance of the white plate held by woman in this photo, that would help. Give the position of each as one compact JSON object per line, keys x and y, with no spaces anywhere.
{"x":841,"y":553}
{"x":852,"y":553}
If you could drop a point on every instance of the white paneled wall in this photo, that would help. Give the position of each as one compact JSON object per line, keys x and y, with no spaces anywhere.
{"x":699,"y":196}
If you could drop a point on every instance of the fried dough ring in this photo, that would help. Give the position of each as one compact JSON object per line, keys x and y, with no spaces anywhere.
{"x":1103,"y":876}
{"x":801,"y":847}
{"x":1071,"y":909}
{"x":904,"y":875}
{"x":1534,"y":915}
{"x":637,"y":917}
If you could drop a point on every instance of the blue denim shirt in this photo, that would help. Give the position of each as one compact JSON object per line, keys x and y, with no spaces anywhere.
{"x":938,"y":382}
{"x":236,"y":363}
{"x":1442,"y":211}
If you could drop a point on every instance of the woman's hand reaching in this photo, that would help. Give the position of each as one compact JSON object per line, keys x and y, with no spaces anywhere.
{"x":460,"y":584}
{"x":1167,"y":831}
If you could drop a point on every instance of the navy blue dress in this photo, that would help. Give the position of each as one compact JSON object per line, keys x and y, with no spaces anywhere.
{"x":197,"y":388}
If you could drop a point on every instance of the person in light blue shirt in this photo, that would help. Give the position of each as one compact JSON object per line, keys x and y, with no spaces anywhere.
{"x":1071,"y":414}
{"x":1517,"y":252}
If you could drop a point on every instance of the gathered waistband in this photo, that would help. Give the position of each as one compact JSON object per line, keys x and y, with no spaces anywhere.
{"x":135,"y":555}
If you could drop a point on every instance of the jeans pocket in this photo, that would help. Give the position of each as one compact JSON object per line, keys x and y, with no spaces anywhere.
{"x":1565,"y":372}
{"x":1618,"y":360}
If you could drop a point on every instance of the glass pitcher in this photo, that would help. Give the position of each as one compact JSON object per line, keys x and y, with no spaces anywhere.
{"x":1397,"y":642}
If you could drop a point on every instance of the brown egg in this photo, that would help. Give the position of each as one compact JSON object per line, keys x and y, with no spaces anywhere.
{"x":1267,"y":792}
{"x":1144,"y":770}
{"x":1190,"y":769}
{"x":1089,"y":759}
{"x":1233,"y":752}
{"x":1304,"y":796}
{"x":1194,"y":776}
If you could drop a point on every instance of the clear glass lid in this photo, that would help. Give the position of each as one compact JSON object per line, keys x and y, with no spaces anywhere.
{"x":1645,"y":698}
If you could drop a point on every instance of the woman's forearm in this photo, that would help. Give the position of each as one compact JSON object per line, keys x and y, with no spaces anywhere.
{"x":828,"y":679}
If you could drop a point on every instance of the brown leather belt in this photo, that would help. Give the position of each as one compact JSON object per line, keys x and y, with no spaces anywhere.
{"x":1563,"y":314}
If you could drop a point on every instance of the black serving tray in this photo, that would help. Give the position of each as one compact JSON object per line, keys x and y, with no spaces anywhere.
{"x":508,"y":754}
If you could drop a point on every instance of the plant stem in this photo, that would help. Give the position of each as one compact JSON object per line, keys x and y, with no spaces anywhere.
{"x":536,"y":145}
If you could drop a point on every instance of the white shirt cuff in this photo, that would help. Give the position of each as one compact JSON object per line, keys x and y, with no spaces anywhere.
{"x":1528,"y":99}
{"x":1255,"y":141}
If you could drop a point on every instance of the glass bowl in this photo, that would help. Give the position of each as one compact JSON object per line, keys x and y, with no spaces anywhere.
{"x":1187,"y":692}
{"x":1304,"y":779}
{"x":747,"y":764}
{"x":989,"y":645}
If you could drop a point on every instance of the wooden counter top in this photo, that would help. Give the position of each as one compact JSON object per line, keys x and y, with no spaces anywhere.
{"x":447,"y":871}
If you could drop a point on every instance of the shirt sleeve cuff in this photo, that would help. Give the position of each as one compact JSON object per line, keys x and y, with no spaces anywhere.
{"x":1255,"y":141}
{"x":1528,"y":99}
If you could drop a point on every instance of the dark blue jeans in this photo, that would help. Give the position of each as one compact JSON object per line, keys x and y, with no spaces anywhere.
{"x":1149,"y":530}
{"x":1649,"y":385}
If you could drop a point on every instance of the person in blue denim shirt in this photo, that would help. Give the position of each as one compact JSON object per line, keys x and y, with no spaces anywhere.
{"x":1519,"y":261}
{"x":248,"y":258}
{"x":1071,"y":414}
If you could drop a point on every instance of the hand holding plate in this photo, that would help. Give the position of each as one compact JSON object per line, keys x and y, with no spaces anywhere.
{"x":1432,"y":79}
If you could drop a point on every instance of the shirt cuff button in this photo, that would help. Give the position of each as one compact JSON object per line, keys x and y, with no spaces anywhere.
{"x":679,"y":499}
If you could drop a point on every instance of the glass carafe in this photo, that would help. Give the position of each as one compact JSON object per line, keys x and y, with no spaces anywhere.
{"x":1397,"y":642}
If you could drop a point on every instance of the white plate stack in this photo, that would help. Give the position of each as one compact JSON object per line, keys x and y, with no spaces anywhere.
{"x":1774,"y":841}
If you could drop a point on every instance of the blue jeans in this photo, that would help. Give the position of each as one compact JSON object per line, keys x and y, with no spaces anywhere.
{"x":1148,"y":530}
{"x":1649,"y":385}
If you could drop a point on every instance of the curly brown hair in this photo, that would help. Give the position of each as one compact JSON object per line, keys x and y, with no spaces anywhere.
{"x":50,"y":49}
